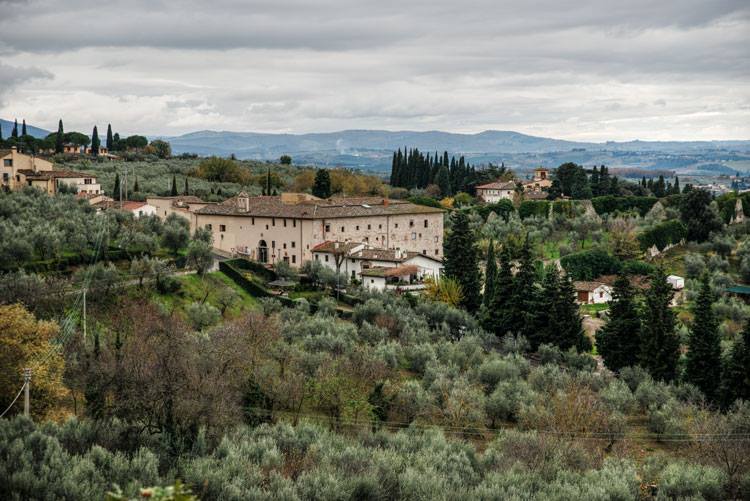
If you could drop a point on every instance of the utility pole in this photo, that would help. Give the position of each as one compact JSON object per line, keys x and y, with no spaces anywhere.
{"x":84,"y":314}
{"x":27,"y":384}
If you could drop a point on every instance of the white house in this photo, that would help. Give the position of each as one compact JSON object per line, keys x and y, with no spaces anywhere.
{"x":376,"y":267}
{"x":677,"y":282}
{"x":592,"y":292}
{"x":496,"y":191}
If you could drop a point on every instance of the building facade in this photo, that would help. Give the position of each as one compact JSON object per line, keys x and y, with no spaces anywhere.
{"x":18,"y":170}
{"x":498,"y":190}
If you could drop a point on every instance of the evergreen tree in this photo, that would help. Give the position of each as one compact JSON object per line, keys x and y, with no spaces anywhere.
{"x":23,"y":128}
{"x":461,"y":260}
{"x":268,"y":181}
{"x":618,"y":341}
{"x":735,"y":374}
{"x":173,"y":191}
{"x":659,"y":343}
{"x":569,"y":333}
{"x":136,"y":188}
{"x":110,"y":138}
{"x":116,"y":141}
{"x":703,"y":368}
{"x":60,"y":138}
{"x":490,"y":274}
{"x":14,"y":132}
{"x":116,"y":189}
{"x":595,"y":181}
{"x":676,"y":186}
{"x":443,"y":180}
{"x":322,"y":186}
{"x":187,"y":189}
{"x":496,"y":315}
{"x":523,"y":302}
{"x":95,"y":142}
{"x":698,"y":215}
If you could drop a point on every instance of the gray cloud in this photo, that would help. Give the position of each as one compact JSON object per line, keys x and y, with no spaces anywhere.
{"x":587,"y":69}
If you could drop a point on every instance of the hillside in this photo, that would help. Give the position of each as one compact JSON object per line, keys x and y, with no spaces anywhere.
{"x":7,"y":128}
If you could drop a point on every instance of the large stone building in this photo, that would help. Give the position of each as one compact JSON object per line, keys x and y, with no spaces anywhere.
{"x":18,"y":170}
{"x":288,"y":227}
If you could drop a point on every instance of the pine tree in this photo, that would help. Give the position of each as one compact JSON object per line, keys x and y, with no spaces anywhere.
{"x":110,"y":138}
{"x":116,"y":189}
{"x":659,"y":343}
{"x":136,"y":188}
{"x":23,"y":128}
{"x":14,"y":133}
{"x":173,"y":191}
{"x":95,"y":142}
{"x":490,"y":274}
{"x":461,"y":260}
{"x":618,"y":341}
{"x":322,"y":186}
{"x":60,"y":138}
{"x":735,"y":374}
{"x":187,"y":190}
{"x":523,"y":301}
{"x":496,"y":315}
{"x":703,"y":368}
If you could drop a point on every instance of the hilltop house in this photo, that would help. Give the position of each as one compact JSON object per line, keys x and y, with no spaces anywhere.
{"x":18,"y":170}
{"x":287,"y":227}
{"x":378,"y":268}
{"x":497,"y":190}
{"x":535,"y":189}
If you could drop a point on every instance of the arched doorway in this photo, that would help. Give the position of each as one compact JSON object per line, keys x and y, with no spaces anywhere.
{"x":263,"y":251}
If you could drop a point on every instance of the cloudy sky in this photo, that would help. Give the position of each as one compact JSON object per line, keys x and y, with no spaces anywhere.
{"x":585,"y":69}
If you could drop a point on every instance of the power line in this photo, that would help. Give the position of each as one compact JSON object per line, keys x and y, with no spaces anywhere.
{"x":23,"y":387}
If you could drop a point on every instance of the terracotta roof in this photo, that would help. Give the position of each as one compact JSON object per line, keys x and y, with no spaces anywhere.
{"x":374,"y":272}
{"x":131,"y":205}
{"x":316,"y":209}
{"x":498,"y":185}
{"x":331,"y":246}
{"x":403,"y":270}
{"x":180,"y":198}
{"x":53,"y":174}
{"x":588,"y":286}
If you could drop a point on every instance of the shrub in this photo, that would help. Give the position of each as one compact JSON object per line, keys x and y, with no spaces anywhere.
{"x":610,"y":204}
{"x":202,"y":315}
{"x":663,"y":234}
{"x":590,"y":264}
{"x":682,"y":481}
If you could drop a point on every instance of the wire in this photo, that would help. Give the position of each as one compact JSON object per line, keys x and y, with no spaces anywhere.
{"x":14,"y":400}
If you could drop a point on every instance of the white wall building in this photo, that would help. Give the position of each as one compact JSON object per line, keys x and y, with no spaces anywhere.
{"x":592,"y":292}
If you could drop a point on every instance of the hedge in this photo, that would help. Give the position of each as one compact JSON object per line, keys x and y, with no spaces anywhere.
{"x":530,"y":208}
{"x":255,"y":267}
{"x":663,"y":234}
{"x":502,"y":208}
{"x":251,"y":287}
{"x":424,"y":200}
{"x":564,"y":208}
{"x":611,"y":203}
{"x":587,"y":265}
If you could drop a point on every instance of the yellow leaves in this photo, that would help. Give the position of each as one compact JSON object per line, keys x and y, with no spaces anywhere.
{"x":27,"y":342}
{"x":445,"y":290}
{"x":447,"y":203}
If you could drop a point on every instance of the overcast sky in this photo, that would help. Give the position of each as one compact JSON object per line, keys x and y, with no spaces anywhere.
{"x":583,"y":69}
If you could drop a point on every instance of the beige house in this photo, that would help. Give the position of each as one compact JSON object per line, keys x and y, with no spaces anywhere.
{"x":592,"y":292}
{"x":18,"y":170}
{"x":287,"y":227}
{"x":496,"y":191}
{"x":540,"y":182}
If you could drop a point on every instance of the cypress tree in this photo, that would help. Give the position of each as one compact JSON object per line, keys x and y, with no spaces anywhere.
{"x":322,"y":186}
{"x":23,"y":128}
{"x":461,"y":260}
{"x":443,"y":180}
{"x":95,"y":142}
{"x":618,"y":341}
{"x":703,"y":368}
{"x":268,"y":181}
{"x":136,"y":188}
{"x":595,"y":181}
{"x":659,"y":343}
{"x":569,"y":333}
{"x":187,"y":190}
{"x":14,"y":133}
{"x":173,"y":191}
{"x":495,"y":318}
{"x":116,"y":189}
{"x":60,"y":138}
{"x":523,"y":301}
{"x":735,"y":374}
{"x":490,"y":274}
{"x":110,"y":138}
{"x":676,"y":186}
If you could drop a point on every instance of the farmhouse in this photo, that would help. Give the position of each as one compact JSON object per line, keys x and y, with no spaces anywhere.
{"x":592,"y":292}
{"x":19,"y":170}
{"x":378,"y":268}
{"x":496,"y":191}
{"x":540,"y":181}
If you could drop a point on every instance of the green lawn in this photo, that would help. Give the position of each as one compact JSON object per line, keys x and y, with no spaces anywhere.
{"x":196,"y":288}
{"x":593,"y":309}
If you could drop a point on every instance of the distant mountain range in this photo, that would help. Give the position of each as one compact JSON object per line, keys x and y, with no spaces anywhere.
{"x":372,"y":149}
{"x":7,"y":128}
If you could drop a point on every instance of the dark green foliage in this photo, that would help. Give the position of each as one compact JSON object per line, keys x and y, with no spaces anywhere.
{"x":116,"y":189}
{"x":609,"y":204}
{"x":523,"y":303}
{"x":727,"y":201}
{"x":573,"y":181}
{"x":322,"y":186}
{"x":285,"y":160}
{"x":424,"y":200}
{"x":60,"y":137}
{"x":663,"y":234}
{"x":659,"y":342}
{"x":461,"y":260}
{"x":636,"y":267}
{"x":497,"y":314}
{"x":490,"y":274}
{"x":502,"y":208}
{"x":590,"y":264}
{"x":95,"y":142}
{"x":254,"y":405}
{"x":735,"y":375}
{"x":137,"y":188}
{"x":186,"y":191}
{"x":14,"y":132}
{"x":110,"y":139}
{"x":529,"y":208}
{"x":443,"y":180}
{"x":618,"y":342}
{"x":699,"y":218}
{"x":173,"y":191}
{"x":703,"y":368}
{"x":557,"y":319}
{"x":413,"y":169}
{"x":23,"y":128}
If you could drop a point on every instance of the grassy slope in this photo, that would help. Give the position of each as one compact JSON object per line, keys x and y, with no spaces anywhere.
{"x":195,"y":288}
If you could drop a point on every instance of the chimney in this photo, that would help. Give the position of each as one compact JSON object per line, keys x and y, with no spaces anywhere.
{"x":386,"y":202}
{"x":13,"y":148}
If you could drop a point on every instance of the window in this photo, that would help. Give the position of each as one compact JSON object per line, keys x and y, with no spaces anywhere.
{"x":87,"y":180}
{"x":426,"y":223}
{"x":6,"y":177}
{"x":343,"y":229}
{"x":411,"y":223}
{"x":436,"y":239}
{"x":424,"y":251}
{"x":437,"y":252}
{"x":369,"y":226}
{"x":284,"y":223}
{"x":294,"y":244}
{"x":420,"y":235}
{"x":395,"y":225}
{"x":284,"y":245}
{"x":326,"y":258}
{"x":294,"y":259}
{"x":372,"y":280}
{"x":317,"y":257}
{"x":367,"y":239}
{"x":209,"y":227}
{"x":273,"y":244}
{"x":294,"y":223}
{"x":266,"y":226}
{"x":380,"y":226}
{"x":273,"y":221}
{"x":413,"y":235}
{"x":252,"y":221}
{"x":222,"y":227}
{"x":328,"y":227}
{"x":8,"y":162}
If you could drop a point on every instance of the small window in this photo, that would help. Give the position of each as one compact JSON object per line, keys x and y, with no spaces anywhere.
{"x":273,"y":221}
{"x":284,"y":245}
{"x":380,"y":226}
{"x":326,"y":258}
{"x":328,"y":227}
{"x":343,"y":229}
{"x":8,"y":162}
{"x":372,"y":280}
{"x":426,"y":223}
{"x":424,"y":251}
{"x":413,"y":235}
{"x":294,"y":223}
{"x":209,"y":227}
{"x":395,"y":225}
{"x":294,"y":244}
{"x":294,"y":259}
{"x":437,"y":252}
{"x":266,"y":226}
{"x":222,"y":227}
{"x":273,"y":244}
{"x":369,"y":226}
{"x":411,"y":223}
{"x":252,"y":221}
{"x":357,"y":227}
{"x":317,"y":257}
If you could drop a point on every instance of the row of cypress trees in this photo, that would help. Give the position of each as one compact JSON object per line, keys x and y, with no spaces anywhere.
{"x":645,"y":335}
{"x":413,"y":169}
{"x":542,"y":310}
